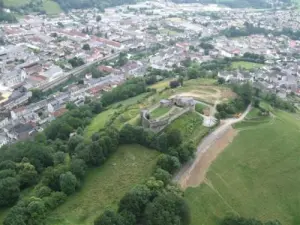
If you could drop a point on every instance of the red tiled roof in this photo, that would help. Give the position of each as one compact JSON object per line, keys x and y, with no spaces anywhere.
{"x":59,"y":112}
{"x":106,"y":41}
{"x":105,"y":69}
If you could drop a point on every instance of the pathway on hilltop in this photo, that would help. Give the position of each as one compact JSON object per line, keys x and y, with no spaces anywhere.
{"x":184,"y":174}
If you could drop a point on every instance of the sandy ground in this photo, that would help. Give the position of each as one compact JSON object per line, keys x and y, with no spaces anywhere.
{"x":205,"y":159}
{"x":211,"y":95}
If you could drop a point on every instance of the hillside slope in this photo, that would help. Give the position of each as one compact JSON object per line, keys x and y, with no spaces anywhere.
{"x":258,"y":175}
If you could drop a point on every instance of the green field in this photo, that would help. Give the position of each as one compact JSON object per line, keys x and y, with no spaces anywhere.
{"x":200,"y":107}
{"x":158,"y":112}
{"x":161,"y":85}
{"x":103,"y":187}
{"x":102,"y":118}
{"x":258,"y":175}
{"x":246,"y":65}
{"x":98,"y":122}
{"x":51,"y":7}
{"x":190,"y":126}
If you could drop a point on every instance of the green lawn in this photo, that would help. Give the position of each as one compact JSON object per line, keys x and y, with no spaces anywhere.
{"x":104,"y":186}
{"x":125,"y":117}
{"x":246,"y":65}
{"x":161,"y":85}
{"x":158,"y":112}
{"x":200,"y":107}
{"x":190,"y":126}
{"x":258,"y":175}
{"x":98,"y":122}
{"x":51,"y":7}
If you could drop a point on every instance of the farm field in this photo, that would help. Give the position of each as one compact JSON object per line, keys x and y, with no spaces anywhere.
{"x":190,"y":126}
{"x":106,"y":185}
{"x":257,"y":175}
{"x":245,"y":65}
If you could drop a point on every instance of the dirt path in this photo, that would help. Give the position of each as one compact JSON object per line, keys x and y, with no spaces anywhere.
{"x":209,"y":148}
{"x":197,"y":175}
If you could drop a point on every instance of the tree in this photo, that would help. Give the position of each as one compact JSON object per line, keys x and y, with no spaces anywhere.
{"x":27,"y":174}
{"x":43,"y":191}
{"x":234,"y":220}
{"x":192,"y":73}
{"x":7,"y":173}
{"x":256,"y":102}
{"x":55,"y":199}
{"x":9,"y":191}
{"x":36,"y":210}
{"x":51,"y":176}
{"x":168,"y":163}
{"x":109,"y":217}
{"x":180,"y":80}
{"x":60,"y":24}
{"x":73,"y":142}
{"x":68,"y":183}
{"x":221,"y":80}
{"x":135,"y":200}
{"x":174,"y":138}
{"x":98,"y":18}
{"x":78,"y":167}
{"x":167,"y":209}
{"x":59,"y":158}
{"x":86,"y":47}
{"x":96,"y":73}
{"x":7,"y":164}
{"x":174,"y":84}
{"x":36,"y":96}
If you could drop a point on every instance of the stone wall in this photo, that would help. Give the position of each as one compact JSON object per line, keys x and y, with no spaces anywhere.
{"x":160,"y":124}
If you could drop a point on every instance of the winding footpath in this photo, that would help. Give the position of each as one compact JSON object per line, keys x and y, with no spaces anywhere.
{"x":206,"y":143}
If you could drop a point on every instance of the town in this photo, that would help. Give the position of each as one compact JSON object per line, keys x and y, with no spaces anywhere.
{"x":48,"y":62}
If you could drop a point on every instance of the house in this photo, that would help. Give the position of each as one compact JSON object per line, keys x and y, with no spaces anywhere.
{"x":165,"y":103}
{"x":14,"y":78}
{"x":3,"y":139}
{"x":20,"y":131}
{"x":52,"y":73}
{"x":106,"y":69}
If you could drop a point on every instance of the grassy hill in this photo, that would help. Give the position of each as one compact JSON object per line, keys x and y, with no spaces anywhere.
{"x":258,"y":175}
{"x":49,"y":6}
{"x":105,"y":186}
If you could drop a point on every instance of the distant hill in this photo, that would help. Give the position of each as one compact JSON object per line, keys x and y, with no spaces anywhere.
{"x":101,"y":4}
{"x":235,"y":3}
{"x":57,"y":6}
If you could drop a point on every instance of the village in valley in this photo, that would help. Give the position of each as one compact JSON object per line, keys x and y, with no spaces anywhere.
{"x":155,"y":112}
{"x":83,"y":53}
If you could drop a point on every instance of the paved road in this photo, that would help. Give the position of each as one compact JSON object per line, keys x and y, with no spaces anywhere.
{"x":208,"y":141}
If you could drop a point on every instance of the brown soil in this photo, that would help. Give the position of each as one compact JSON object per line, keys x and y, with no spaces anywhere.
{"x":206,"y":112}
{"x":197,"y":175}
{"x":228,"y":94}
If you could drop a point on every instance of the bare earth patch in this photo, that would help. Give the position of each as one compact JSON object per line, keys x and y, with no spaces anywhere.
{"x":205,"y":159}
